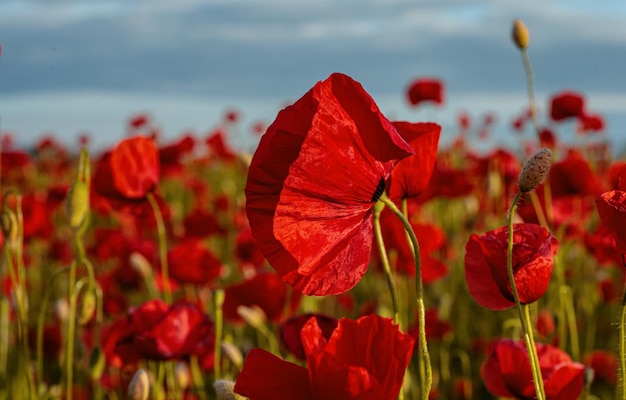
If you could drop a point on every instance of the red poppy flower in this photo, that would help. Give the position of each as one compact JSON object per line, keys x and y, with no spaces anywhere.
{"x":573,"y":176}
{"x":126,"y":175}
{"x":430,"y":237}
{"x":601,"y":244}
{"x":591,"y":123}
{"x":565,"y":105}
{"x":156,"y":331}
{"x":138,"y":121}
{"x":617,"y":175}
{"x":548,"y":138}
{"x":612,"y":209}
{"x":313,"y":182}
{"x":604,"y":365}
{"x":486,"y":266}
{"x":170,"y":156}
{"x":506,"y":372}
{"x":201,"y":224}
{"x":191,"y":262}
{"x":423,"y":90}
{"x":264,"y":290}
{"x":411,"y":175}
{"x":247,"y":250}
{"x":364,"y":359}
{"x":290,"y":331}
{"x":216,"y":142}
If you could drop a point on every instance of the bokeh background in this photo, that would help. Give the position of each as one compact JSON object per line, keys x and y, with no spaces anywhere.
{"x":71,"y":67}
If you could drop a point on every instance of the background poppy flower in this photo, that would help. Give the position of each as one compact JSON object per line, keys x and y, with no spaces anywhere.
{"x":412,"y":174}
{"x":290,"y":331}
{"x":424,"y":90}
{"x":135,"y":167}
{"x":313,"y":182}
{"x":612,"y":210}
{"x":486,"y":266}
{"x":191,"y":262}
{"x":364,"y":359}
{"x":506,"y":372}
{"x":565,"y":105}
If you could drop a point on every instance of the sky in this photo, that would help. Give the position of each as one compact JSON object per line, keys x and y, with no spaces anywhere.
{"x":68,"y":67}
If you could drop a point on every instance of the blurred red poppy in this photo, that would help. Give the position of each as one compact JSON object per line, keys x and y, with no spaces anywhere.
{"x":216,"y":143}
{"x":247,"y":250}
{"x":412,"y":174}
{"x":430,"y":237}
{"x":565,"y":105}
{"x":138,"y":121}
{"x":156,"y":331}
{"x":290,"y":331}
{"x":200,"y":223}
{"x":591,"y":123}
{"x":425,"y":90}
{"x":265,"y":290}
{"x":506,"y":372}
{"x":604,"y":365}
{"x":364,"y":359}
{"x":573,"y":176}
{"x":612,"y":210}
{"x":486,"y":266}
{"x":313,"y":182}
{"x":191,"y":262}
{"x":128,"y":173}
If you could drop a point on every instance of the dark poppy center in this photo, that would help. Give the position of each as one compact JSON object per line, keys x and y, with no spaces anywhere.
{"x":379,"y":190}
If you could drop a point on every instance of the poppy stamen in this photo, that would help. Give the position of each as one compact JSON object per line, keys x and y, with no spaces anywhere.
{"x":379,"y":190}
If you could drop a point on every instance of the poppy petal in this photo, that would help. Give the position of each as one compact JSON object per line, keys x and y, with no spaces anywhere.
{"x":313,"y":181}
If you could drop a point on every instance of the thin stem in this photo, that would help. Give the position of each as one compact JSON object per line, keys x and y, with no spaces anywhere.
{"x":219,"y":331}
{"x":384,"y":259}
{"x":567,"y":298}
{"x":523,"y":311}
{"x":622,"y":349}
{"x":426,"y":377}
{"x":530,"y":87}
{"x":167,"y":291}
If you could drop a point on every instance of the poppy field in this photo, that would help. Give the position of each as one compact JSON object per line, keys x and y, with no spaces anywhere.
{"x":349,"y":257}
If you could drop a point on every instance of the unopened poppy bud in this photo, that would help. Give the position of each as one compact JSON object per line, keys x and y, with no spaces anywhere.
{"x":183,"y":376}
{"x":9,"y":224}
{"x":252,"y":315}
{"x":233,"y":353}
{"x":87,"y":307}
{"x":535,"y":170}
{"x":139,"y":387}
{"x":140,"y":264}
{"x":77,"y":204}
{"x":225,"y":390}
{"x":62,"y":309}
{"x":520,"y":34}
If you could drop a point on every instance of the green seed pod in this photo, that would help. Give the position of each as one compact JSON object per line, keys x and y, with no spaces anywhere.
{"x":87,"y":307}
{"x":78,"y":204}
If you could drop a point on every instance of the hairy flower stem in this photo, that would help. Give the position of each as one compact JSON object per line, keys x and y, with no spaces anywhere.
{"x":378,"y":234}
{"x":524,"y":314}
{"x":167,"y":291}
{"x":622,"y":350}
{"x":426,"y":373}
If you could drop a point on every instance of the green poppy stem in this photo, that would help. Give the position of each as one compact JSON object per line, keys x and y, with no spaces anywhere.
{"x":524,"y":314}
{"x":622,"y":350}
{"x":426,"y":373}
{"x":385,"y":261}
{"x":167,"y":291}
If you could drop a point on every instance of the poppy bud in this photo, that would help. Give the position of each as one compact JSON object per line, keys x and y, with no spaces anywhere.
{"x":254,"y":316}
{"x":87,"y":307}
{"x":140,"y":264}
{"x":62,"y":309}
{"x":78,"y":204}
{"x":139,"y":387}
{"x":96,"y":363}
{"x":183,"y":376}
{"x":535,"y":170}
{"x":233,"y":353}
{"x":224,"y":390}
{"x":520,"y":34}
{"x":9,"y":224}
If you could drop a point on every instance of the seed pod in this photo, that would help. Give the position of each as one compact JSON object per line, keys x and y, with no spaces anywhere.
{"x":139,"y":387}
{"x":77,"y":204}
{"x":520,"y":34}
{"x":535,"y":170}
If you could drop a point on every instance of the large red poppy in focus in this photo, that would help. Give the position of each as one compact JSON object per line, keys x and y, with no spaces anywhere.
{"x":364,"y":359}
{"x":313,"y":182}
{"x":486,"y":265}
{"x":506,"y":372}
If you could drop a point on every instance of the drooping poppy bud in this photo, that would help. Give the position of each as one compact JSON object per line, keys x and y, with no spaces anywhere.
{"x":139,"y":387}
{"x":520,"y":34}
